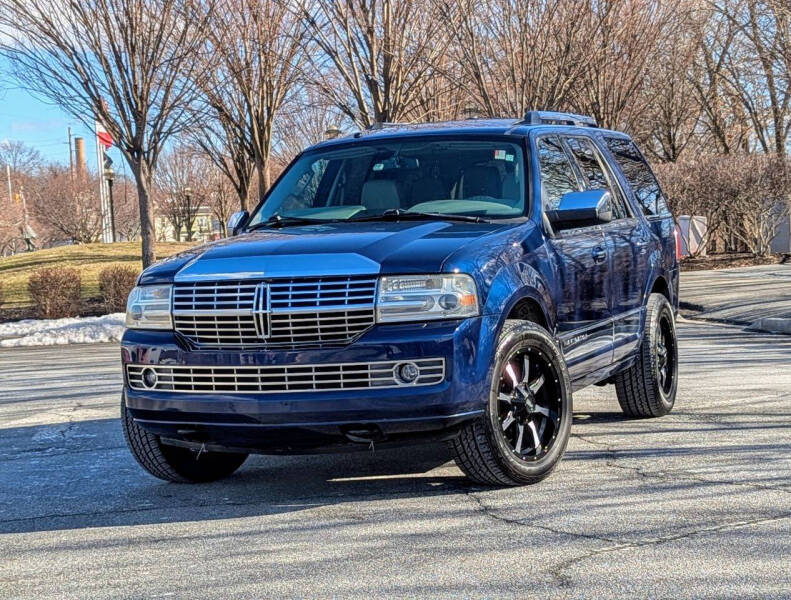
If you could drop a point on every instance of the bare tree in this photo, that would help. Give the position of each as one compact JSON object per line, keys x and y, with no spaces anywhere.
{"x":694,"y":186}
{"x":222,"y":135}
{"x":375,"y":59}
{"x":759,"y":66}
{"x":71,"y":209}
{"x":179,"y":182}
{"x":23,"y":160}
{"x":133,"y":64}
{"x":623,"y":42}
{"x":669,"y":123}
{"x":306,"y":120}
{"x":220,"y":197}
{"x":516,"y":56}
{"x":259,"y":45}
{"x":127,"y":217}
{"x":760,"y":186}
{"x":21,"y":163}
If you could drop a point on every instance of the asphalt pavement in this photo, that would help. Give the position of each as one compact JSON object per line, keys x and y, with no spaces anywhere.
{"x":695,"y":504}
{"x":742,"y":296}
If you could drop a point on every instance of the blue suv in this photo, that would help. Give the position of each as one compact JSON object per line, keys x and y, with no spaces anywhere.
{"x":443,"y":281}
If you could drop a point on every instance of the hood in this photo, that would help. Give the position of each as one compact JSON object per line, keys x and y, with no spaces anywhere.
{"x":325,"y":249}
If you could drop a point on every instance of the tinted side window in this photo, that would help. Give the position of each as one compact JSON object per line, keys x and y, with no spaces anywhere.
{"x":592,"y":167}
{"x":557,"y":174}
{"x":638,"y":174}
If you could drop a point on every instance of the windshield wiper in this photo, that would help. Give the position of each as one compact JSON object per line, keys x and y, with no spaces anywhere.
{"x":276,"y":221}
{"x":397,"y":214}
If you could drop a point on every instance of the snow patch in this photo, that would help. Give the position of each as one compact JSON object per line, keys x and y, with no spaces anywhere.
{"x":56,"y":332}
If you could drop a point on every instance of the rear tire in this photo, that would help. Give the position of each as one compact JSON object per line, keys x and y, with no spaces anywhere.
{"x":648,"y":387}
{"x":173,"y":463}
{"x":524,"y":430}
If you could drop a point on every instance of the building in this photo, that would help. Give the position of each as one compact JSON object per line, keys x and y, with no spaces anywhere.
{"x":205,"y":227}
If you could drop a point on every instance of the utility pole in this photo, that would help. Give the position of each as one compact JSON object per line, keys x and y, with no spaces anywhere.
{"x":10,"y":191}
{"x":71,"y":162}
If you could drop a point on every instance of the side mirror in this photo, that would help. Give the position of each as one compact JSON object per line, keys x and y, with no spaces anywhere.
{"x":237,"y":221}
{"x":581,"y":209}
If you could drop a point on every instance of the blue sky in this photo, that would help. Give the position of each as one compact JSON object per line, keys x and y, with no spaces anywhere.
{"x":43,"y":126}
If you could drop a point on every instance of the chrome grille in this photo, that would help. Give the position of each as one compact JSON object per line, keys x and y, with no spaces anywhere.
{"x":214,"y":296}
{"x":323,"y":327}
{"x":327,"y":293}
{"x":286,"y":312}
{"x":283,"y":379}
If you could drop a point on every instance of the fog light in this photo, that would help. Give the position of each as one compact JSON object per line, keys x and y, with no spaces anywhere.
{"x":149,"y":378}
{"x":407,"y":372}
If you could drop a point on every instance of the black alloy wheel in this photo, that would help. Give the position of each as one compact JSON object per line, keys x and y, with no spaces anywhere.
{"x":524,"y":430}
{"x":648,"y":387}
{"x":666,"y":354}
{"x":529,"y":403}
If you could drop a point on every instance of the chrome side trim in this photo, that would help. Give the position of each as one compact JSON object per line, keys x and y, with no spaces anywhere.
{"x":609,"y":321}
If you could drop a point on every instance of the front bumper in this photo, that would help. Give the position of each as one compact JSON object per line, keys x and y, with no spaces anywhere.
{"x":290,"y":419}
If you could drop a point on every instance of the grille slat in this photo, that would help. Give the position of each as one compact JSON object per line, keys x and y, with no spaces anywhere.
{"x":301,"y":312}
{"x":283,"y":379}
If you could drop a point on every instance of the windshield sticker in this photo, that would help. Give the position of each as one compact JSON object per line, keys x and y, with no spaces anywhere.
{"x":499,"y":155}
{"x":509,"y":158}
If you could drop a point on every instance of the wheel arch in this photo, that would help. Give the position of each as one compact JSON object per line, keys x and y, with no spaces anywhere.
{"x":519,"y":291}
{"x":528,"y":308}
{"x":660,"y":286}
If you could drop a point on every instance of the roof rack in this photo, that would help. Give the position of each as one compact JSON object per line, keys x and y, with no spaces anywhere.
{"x":546,"y":117}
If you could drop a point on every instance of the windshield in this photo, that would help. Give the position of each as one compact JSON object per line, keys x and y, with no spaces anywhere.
{"x":470,"y":178}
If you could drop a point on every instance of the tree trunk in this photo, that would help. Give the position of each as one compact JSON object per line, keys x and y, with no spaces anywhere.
{"x":143,"y":180}
{"x":244,"y":192}
{"x":264,"y":176}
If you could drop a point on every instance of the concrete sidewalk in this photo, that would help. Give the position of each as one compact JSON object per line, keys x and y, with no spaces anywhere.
{"x":759,"y":297}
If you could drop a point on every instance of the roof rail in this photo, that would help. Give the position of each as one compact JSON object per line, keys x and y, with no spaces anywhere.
{"x":546,"y":117}
{"x":381,"y":125}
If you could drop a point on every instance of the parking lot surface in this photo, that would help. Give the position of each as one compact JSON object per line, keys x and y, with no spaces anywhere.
{"x":695,"y":504}
{"x":741,"y":296}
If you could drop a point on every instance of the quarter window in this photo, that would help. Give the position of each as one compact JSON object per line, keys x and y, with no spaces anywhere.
{"x":642,"y":181}
{"x":592,"y":166}
{"x":557,"y":174}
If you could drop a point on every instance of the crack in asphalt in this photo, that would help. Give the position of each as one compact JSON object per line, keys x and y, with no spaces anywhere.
{"x":669,"y":474}
{"x":486,"y":510}
{"x":15,"y":454}
{"x":558,"y":571}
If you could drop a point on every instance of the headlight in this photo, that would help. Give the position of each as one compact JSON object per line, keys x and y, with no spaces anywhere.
{"x":426,"y":297}
{"x":148,"y":307}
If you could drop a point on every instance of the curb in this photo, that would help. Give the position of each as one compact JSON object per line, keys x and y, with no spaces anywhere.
{"x":772,"y":325}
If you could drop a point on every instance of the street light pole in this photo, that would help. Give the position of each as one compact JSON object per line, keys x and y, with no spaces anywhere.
{"x":109,"y":175}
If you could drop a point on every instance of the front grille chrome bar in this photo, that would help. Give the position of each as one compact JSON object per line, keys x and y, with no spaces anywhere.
{"x":315,"y":311}
{"x":281,"y":379}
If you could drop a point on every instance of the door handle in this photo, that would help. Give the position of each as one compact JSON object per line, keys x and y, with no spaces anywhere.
{"x":599,"y":254}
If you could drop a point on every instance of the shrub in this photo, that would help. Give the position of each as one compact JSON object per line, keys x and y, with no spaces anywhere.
{"x":55,"y":292}
{"x":115,"y":283}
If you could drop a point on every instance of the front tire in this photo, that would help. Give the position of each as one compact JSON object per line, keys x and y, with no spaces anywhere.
{"x":173,"y":463}
{"x":648,"y":387}
{"x":523,"y":433}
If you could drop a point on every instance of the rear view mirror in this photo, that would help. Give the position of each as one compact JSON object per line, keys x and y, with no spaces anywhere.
{"x":581,"y":209}
{"x":237,"y":221}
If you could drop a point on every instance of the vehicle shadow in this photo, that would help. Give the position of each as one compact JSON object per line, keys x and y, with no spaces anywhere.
{"x":81,"y":475}
{"x":78,"y":475}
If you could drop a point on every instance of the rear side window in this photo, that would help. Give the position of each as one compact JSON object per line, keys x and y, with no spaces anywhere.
{"x":592,"y":166}
{"x":638,"y":174}
{"x":557,"y":174}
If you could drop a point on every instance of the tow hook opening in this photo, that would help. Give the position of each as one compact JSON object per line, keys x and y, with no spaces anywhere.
{"x":362,"y":434}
